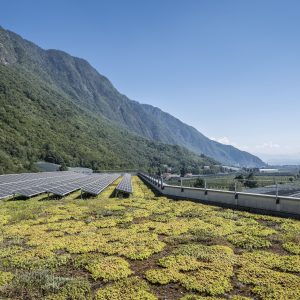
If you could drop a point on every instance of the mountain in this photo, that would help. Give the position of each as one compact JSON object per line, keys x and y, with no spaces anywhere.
{"x":38,"y":121}
{"x":79,"y":82}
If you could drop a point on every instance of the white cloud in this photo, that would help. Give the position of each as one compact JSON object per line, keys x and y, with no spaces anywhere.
{"x":223,"y":140}
{"x":264,"y":149}
{"x":226,"y":141}
{"x":272,"y":148}
{"x":268,"y":146}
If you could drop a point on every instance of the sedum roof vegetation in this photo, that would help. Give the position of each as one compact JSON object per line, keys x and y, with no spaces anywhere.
{"x":144,"y":247}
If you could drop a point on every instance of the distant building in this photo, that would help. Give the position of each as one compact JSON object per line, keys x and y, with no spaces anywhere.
{"x":168,"y":176}
{"x":80,"y":170}
{"x":188,"y":175}
{"x":268,"y":170}
{"x":206,"y":167}
{"x":228,"y":168}
{"x":44,"y":166}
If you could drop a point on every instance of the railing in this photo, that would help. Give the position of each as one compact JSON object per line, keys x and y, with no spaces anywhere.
{"x":272,"y":204}
{"x":280,"y":186}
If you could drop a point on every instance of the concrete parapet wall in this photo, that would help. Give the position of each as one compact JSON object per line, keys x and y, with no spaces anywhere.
{"x":283,"y":206}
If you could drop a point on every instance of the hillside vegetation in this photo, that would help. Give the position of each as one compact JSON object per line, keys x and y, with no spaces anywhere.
{"x":94,"y":93}
{"x":40,"y":122}
{"x":144,"y":247}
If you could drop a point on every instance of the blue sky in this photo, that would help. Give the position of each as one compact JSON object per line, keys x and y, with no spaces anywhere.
{"x":229,"y":68}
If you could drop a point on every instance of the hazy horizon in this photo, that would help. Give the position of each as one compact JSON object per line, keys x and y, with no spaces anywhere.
{"x":229,"y":69}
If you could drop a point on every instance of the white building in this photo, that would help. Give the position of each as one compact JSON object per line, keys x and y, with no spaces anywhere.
{"x":268,"y":170}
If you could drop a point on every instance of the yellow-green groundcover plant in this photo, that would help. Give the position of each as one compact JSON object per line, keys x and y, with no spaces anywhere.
{"x":144,"y":247}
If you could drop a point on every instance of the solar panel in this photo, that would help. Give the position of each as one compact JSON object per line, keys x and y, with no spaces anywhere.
{"x":4,"y":195}
{"x":125,"y":185}
{"x":58,"y":183}
{"x":64,"y":189}
{"x":31,"y":191}
{"x":13,"y":178}
{"x":40,"y":185}
{"x":98,"y":186}
{"x":33,"y":183}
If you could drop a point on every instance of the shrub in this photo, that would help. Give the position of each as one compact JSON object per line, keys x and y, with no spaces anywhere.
{"x":131,"y":288}
{"x":285,"y":263}
{"x":75,"y":289}
{"x":109,"y":268}
{"x":211,"y":275}
{"x":180,"y":262}
{"x":197,"y":297}
{"x":248,"y":242}
{"x":162,"y":276}
{"x":5,"y":278}
{"x":291,"y":247}
{"x":199,"y":183}
{"x":269,"y":284}
{"x":34,"y":284}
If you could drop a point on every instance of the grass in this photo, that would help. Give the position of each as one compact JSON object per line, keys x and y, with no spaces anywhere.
{"x":144,"y":247}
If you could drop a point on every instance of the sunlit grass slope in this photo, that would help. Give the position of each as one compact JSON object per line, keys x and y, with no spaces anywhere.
{"x":144,"y":247}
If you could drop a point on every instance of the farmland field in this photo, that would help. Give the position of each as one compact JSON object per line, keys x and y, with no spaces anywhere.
{"x":228,"y":182}
{"x":144,"y":247}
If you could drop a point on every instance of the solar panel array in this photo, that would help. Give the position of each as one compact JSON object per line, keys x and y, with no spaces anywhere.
{"x":74,"y":185}
{"x":35,"y":190}
{"x":96,"y":187}
{"x":125,"y":185}
{"x":11,"y":178}
{"x":30,"y":184}
{"x":58,"y":183}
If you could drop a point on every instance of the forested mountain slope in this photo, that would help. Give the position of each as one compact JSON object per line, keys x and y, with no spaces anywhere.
{"x":39,"y":122}
{"x":93,"y":93}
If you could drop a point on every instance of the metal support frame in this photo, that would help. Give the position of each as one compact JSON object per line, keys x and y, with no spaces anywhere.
{"x":236,"y":195}
{"x":162,"y":182}
{"x":181,"y":182}
{"x":205,"y":188}
{"x":277,"y":194}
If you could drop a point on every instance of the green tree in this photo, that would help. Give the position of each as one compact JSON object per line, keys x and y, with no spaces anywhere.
{"x":158,"y":172}
{"x":250,"y":181}
{"x":199,"y":183}
{"x":240,"y":178}
{"x":182,"y":171}
{"x":63,"y":167}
